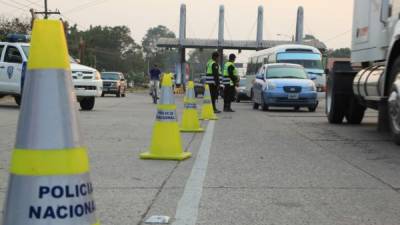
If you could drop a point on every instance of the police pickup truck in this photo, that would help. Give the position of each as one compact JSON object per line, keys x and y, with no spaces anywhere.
{"x":13,"y":57}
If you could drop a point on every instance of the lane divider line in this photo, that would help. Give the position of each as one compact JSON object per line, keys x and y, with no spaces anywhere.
{"x":188,"y":205}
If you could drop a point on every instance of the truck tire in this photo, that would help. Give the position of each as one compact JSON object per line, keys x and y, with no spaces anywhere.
{"x":339,"y":91}
{"x":335,"y":106}
{"x":355,"y":111}
{"x":394,"y":103}
{"x":17,"y":100}
{"x":87,"y":104}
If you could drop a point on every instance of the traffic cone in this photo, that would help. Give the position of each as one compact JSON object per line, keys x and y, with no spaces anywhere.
{"x":166,"y":143}
{"x":190,"y":118}
{"x":207,"y":111}
{"x":49,"y":173}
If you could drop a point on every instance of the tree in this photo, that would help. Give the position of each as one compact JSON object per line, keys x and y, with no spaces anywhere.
{"x":198,"y":60}
{"x":14,"y":25}
{"x":106,"y":48}
{"x":340,"y":53}
{"x":165,"y":59}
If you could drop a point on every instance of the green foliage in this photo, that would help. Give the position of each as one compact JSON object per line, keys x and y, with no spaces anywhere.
{"x":106,"y":48}
{"x":198,"y":60}
{"x":165,"y":59}
{"x":340,"y":53}
{"x":14,"y":25}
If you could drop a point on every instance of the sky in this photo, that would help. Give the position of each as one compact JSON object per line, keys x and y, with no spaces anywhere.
{"x":328,"y":20}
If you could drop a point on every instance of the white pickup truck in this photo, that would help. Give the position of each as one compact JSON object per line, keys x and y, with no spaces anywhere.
{"x":13,"y":57}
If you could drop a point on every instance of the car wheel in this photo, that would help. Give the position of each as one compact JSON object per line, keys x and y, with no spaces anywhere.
{"x":17,"y":100}
{"x":118,"y":93}
{"x":256,"y":105}
{"x":102,"y":94}
{"x":237,"y":99}
{"x":87,"y":104}
{"x":312,"y":108}
{"x":297,"y":108}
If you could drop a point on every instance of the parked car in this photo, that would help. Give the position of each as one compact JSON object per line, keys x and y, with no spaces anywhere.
{"x":114,"y":83}
{"x":241,"y":91}
{"x":13,"y":60}
{"x":284,"y":85}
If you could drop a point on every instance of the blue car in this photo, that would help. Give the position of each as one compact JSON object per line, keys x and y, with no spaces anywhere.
{"x":284,"y":85}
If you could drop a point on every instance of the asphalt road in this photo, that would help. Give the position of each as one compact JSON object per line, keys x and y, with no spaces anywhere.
{"x":250,"y":167}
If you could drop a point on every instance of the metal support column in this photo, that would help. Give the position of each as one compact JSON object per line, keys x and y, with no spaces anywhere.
{"x":221,"y":29}
{"x":300,"y":25}
{"x":180,"y":76}
{"x":260,"y":26}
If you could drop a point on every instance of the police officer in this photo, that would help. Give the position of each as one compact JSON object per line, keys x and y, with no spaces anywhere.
{"x":212,"y":78}
{"x":231,"y":80}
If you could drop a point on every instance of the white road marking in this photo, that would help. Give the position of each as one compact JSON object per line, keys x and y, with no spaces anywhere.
{"x":188,"y":205}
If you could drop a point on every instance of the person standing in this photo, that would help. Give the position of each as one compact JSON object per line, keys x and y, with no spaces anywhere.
{"x":212,"y":79}
{"x":230,"y":80}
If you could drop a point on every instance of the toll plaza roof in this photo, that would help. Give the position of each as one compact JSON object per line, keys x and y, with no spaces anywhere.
{"x":228,"y":44}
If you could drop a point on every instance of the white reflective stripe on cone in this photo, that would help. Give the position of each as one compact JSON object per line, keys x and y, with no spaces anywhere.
{"x":61,"y":200}
{"x":167,"y":96}
{"x":48,"y":117}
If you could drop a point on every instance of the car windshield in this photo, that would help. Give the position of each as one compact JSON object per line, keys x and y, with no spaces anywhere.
{"x":309,"y":64}
{"x":286,"y":72}
{"x":26,"y":50}
{"x":110,"y":76}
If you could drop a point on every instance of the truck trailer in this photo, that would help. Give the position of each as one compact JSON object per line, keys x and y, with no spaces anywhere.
{"x":372,"y":78}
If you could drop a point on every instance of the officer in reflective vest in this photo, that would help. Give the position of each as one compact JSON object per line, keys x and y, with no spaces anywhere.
{"x":231,"y":80}
{"x":212,"y":79}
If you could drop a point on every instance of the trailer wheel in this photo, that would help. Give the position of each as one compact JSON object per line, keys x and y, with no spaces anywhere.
{"x":335,"y":103}
{"x":355,"y":112}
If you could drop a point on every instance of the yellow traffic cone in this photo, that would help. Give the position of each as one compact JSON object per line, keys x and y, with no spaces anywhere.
{"x":190,"y":118}
{"x":166,"y":141}
{"x":49,"y":173}
{"x":207,"y":111}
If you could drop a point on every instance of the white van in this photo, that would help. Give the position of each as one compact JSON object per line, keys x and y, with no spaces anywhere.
{"x":309,"y":57}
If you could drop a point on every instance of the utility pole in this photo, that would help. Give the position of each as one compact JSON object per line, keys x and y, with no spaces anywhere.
{"x":46,"y":11}
{"x":33,"y":15}
{"x":81,"y":50}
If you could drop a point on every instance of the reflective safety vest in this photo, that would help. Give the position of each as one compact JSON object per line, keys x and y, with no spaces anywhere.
{"x":209,"y":72}
{"x":227,"y":80}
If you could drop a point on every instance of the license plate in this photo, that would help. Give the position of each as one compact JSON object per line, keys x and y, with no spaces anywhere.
{"x":293,"y":96}
{"x":80,"y":89}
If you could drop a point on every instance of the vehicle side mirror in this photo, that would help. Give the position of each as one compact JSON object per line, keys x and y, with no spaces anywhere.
{"x":78,"y":61}
{"x":385,"y":11}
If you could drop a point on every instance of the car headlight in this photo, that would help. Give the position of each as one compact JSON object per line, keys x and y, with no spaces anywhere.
{"x":271,"y":86}
{"x":312,"y":87}
{"x":97,"y":76}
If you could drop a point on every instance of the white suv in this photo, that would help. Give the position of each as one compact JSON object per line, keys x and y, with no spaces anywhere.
{"x":13,"y":58}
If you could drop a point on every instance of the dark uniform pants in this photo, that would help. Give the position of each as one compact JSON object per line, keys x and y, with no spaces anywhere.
{"x":214,"y":94}
{"x":229,"y":96}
